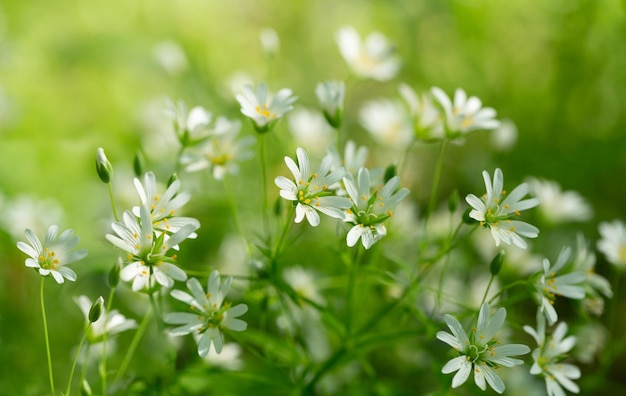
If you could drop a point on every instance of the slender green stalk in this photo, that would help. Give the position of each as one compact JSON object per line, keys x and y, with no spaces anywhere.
{"x":507,"y":287}
{"x":133,"y":344}
{"x":487,"y":289}
{"x":103,"y":363}
{"x":279,"y":242}
{"x":405,"y":156}
{"x":350,"y":289}
{"x":236,"y":217}
{"x":82,"y":341}
{"x":113,"y":202}
{"x":436,"y":180}
{"x":264,"y":183}
{"x":45,"y":332}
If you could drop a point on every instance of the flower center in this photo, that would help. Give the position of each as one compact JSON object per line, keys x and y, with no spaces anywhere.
{"x":47,"y":259}
{"x":264,"y":111}
{"x":621,"y":253}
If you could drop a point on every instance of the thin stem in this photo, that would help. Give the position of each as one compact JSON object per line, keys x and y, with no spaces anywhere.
{"x":437,"y":179}
{"x":507,"y":287}
{"x":103,"y":365}
{"x":404,"y":161}
{"x":133,"y":344}
{"x":82,"y":341}
{"x":491,"y":278}
{"x":112,"y":197}
{"x":45,"y":332}
{"x":264,"y":183}
{"x":279,"y":243}
{"x":233,"y":207}
{"x":350,"y":289}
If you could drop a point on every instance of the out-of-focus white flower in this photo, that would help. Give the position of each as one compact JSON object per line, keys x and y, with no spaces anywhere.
{"x":504,"y":137}
{"x":613,"y":242}
{"x":595,"y":336}
{"x":312,"y":191}
{"x":263,"y":108}
{"x":549,"y":356}
{"x":235,"y":83}
{"x":302,"y":281}
{"x":464,"y":114}
{"x":495,"y":213}
{"x":269,"y":41}
{"x":310,"y":129}
{"x":585,"y":262}
{"x":427,"y":118}
{"x":387,"y":122}
{"x":27,"y":211}
{"x":53,"y":255}
{"x":209,"y":315}
{"x":559,"y":206}
{"x":479,"y":352}
{"x":372,"y":58}
{"x":229,"y":359}
{"x":190,"y":127}
{"x":222,"y":152}
{"x":553,"y":282}
{"x":370,"y":208}
{"x":331,"y":96}
{"x":171,"y":57}
{"x":354,"y":157}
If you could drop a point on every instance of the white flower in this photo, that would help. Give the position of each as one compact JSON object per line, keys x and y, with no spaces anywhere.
{"x":549,"y":355}
{"x":387,"y":122}
{"x":209,"y":315}
{"x":331,"y":96}
{"x":480,"y":352}
{"x":559,"y":206}
{"x":613,"y":242}
{"x":373,"y":58}
{"x":53,"y":256}
{"x":24,"y":210}
{"x":221,"y":152}
{"x":354,"y":157}
{"x":504,"y":137}
{"x":427,"y":119}
{"x":552,"y":283}
{"x":585,"y":262}
{"x":370,"y":208}
{"x":171,"y":57}
{"x":312,"y":192}
{"x":464,"y":114}
{"x":270,"y":42}
{"x":190,"y":127}
{"x":162,"y":207}
{"x":263,"y":109}
{"x":147,"y":259}
{"x":309,"y":128}
{"x":495,"y":211}
{"x":109,"y":323}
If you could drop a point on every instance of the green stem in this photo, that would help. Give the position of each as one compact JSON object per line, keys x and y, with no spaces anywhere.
{"x":133,"y":344}
{"x":330,"y":363}
{"x":112,"y":197}
{"x":45,"y":332}
{"x":82,"y":341}
{"x":507,"y":287}
{"x":233,"y":207}
{"x":491,"y":278}
{"x":404,"y":161}
{"x":350,"y":289}
{"x":264,"y":183}
{"x":437,"y":179}
{"x":103,"y":366}
{"x":279,"y":243}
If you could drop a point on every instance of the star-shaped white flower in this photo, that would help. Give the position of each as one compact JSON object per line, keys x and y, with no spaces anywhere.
{"x":109,"y":323}
{"x":387,"y":122}
{"x":549,"y":356}
{"x":331,"y":96}
{"x":221,"y":152}
{"x":427,"y":119}
{"x":53,"y":256}
{"x":262,"y":108}
{"x":480,"y":352}
{"x":147,"y":259}
{"x":190,"y":127}
{"x":370,"y":208}
{"x":553,"y":283}
{"x":311,"y":192}
{"x":559,"y":206}
{"x":613,"y":242}
{"x":495,"y":210}
{"x":372,"y":58}
{"x":209,"y":315}
{"x":464,"y":114}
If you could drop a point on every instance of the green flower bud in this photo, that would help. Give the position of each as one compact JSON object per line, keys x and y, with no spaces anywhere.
{"x":278,"y":207}
{"x":114,"y":274}
{"x":172,"y":179}
{"x":103,"y":166}
{"x":390,"y":172}
{"x":453,"y":202}
{"x":85,"y":389}
{"x":96,"y":310}
{"x":496,"y":263}
{"x":139,"y":163}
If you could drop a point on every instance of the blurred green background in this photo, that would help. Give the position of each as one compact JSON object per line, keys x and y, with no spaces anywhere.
{"x":77,"y":75}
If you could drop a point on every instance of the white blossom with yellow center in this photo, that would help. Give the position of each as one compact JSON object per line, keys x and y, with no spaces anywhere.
{"x":262,"y":108}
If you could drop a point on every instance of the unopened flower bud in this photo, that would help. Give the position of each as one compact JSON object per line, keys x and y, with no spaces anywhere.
{"x":139,"y":164}
{"x":496,"y":263}
{"x":269,"y":41}
{"x":96,"y":310}
{"x":114,"y":274}
{"x":390,"y":172}
{"x":453,"y":202}
{"x":103,"y":166}
{"x":172,"y":179}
